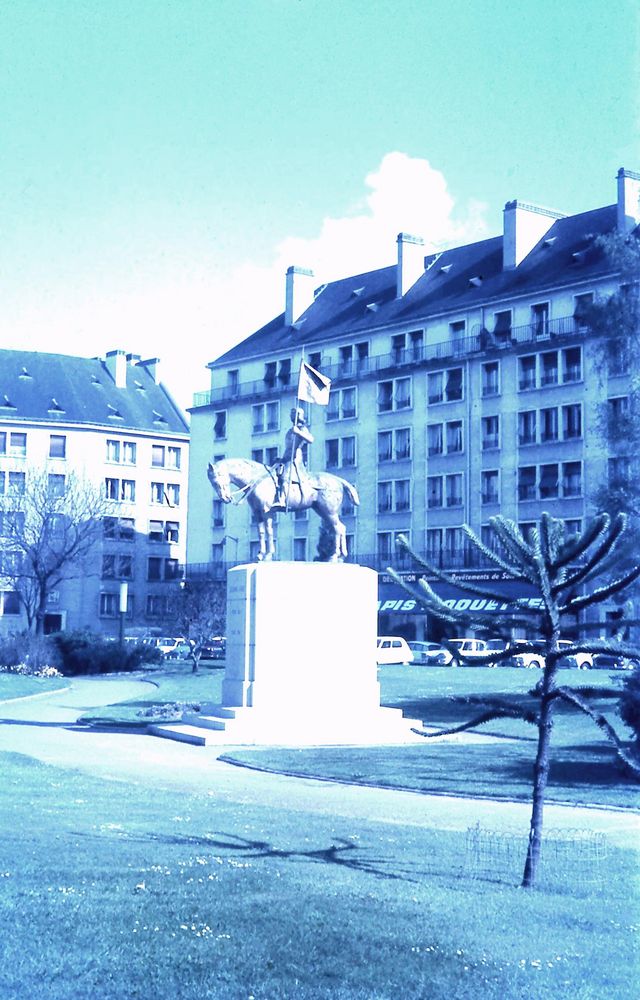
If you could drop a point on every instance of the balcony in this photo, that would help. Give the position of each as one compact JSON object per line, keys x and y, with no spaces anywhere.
{"x":379,"y":364}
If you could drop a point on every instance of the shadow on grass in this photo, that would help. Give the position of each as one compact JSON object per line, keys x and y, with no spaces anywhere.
{"x":81,"y":727}
{"x":342,"y":853}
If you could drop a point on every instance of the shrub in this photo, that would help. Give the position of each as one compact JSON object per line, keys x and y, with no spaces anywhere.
{"x":31,"y":652}
{"x":83,"y":652}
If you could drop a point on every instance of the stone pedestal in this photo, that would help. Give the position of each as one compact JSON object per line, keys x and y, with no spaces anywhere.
{"x":301,"y":657}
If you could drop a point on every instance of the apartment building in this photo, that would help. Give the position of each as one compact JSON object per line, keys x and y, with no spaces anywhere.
{"x":465,"y":384}
{"x":111,"y":423}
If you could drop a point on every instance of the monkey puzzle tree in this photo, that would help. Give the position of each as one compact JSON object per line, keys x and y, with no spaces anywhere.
{"x":562,"y":570}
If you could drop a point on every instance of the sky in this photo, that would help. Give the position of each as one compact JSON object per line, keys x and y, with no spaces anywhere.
{"x":164,"y":162}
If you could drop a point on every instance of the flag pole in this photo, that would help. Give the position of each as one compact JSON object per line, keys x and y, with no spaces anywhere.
{"x":297,"y":404}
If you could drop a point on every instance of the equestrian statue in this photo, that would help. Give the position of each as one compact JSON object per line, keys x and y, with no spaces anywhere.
{"x":283,"y":487}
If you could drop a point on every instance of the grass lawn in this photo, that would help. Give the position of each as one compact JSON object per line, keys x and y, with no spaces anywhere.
{"x":18,"y":685}
{"x":584,"y":768}
{"x":114,"y":891}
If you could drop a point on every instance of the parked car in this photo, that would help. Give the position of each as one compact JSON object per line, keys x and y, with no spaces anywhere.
{"x":497,"y":646}
{"x":430,"y":654}
{"x":393,"y":649}
{"x":526,"y":658}
{"x":469,"y":648}
{"x":612,"y":661}
{"x":215,"y":649}
{"x":166,"y":644}
{"x":580,"y":660}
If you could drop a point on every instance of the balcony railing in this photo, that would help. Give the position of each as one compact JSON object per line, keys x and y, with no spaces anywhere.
{"x":377,"y":364}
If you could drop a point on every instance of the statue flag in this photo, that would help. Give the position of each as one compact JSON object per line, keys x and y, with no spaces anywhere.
{"x":313,"y":387}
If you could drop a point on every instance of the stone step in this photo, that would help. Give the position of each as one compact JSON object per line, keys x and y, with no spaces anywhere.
{"x":182,"y":733}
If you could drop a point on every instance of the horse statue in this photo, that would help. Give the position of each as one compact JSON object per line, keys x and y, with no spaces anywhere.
{"x":257,"y":484}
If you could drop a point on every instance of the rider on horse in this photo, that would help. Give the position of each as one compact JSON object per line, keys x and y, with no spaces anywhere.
{"x":292,"y":463}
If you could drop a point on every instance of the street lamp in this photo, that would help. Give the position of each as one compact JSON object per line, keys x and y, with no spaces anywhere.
{"x":124,"y":598}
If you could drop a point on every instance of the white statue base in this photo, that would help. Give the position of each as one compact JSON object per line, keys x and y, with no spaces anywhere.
{"x":301,"y":658}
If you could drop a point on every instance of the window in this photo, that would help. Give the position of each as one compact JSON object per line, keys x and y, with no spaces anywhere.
{"x":353,"y":357}
{"x":549,"y":424}
{"x":233,"y":380}
{"x":128,"y":490}
{"x":174,"y":457}
{"x":17,"y":444}
{"x":217,"y":552}
{"x":540,"y":319}
{"x":572,"y":479}
{"x":619,"y":470}
{"x":490,"y":427}
{"x":270,"y":369}
{"x":454,"y":436}
{"x":573,"y":527}
{"x":109,"y":605}
{"x":165,"y":493}
{"x":299,"y":549}
{"x":502,"y":325}
{"x":397,"y":348}
{"x":55,"y":485}
{"x":158,"y":606}
{"x":112,"y":488}
{"x":454,"y":546}
{"x":435,"y":439}
{"x":284,"y":371}
{"x":384,"y":542}
{"x":582,"y":307}
{"x":394,"y":495}
{"x":549,"y":481}
{"x":18,"y":483}
{"x":172,"y":569}
{"x":549,"y":368}
{"x":490,"y":480}
{"x":457,"y":331}
{"x":265,"y":417}
{"x":3,"y":442}
{"x":117,"y":567}
{"x":156,"y":531}
{"x":416,"y":342}
{"x":526,"y":529}
{"x":315,"y":360}
{"x":434,"y":491}
{"x":394,"y":394}
{"x":385,"y":497}
{"x":454,"y":490}
{"x":394,"y":446}
{"x":434,"y":545}
{"x":154,"y":568}
{"x":527,"y":482}
{"x":217,"y":511}
{"x":342,"y":404}
{"x":129,"y":452}
{"x":572,"y":364}
{"x":491,"y":378}
{"x":220,"y":425}
{"x":445,"y":386}
{"x":527,"y":427}
{"x":340,"y":452}
{"x":57,"y":446}
{"x":527,"y":372}
{"x":113,"y":450}
{"x":157,"y":456}
{"x":173,"y":494}
{"x":619,"y":358}
{"x":618,"y":407}
{"x":572,"y":421}
{"x":172,"y":532}
{"x":3,"y":479}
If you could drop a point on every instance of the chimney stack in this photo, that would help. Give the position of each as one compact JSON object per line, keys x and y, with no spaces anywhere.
{"x":299,"y":295}
{"x":152,"y":365}
{"x":524,"y":226}
{"x":628,"y":200}
{"x":410,"y":262}
{"x":116,"y":364}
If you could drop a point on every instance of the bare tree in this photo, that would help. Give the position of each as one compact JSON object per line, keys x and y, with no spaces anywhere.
{"x":563,"y":572}
{"x":49,"y":526}
{"x":200,"y":613}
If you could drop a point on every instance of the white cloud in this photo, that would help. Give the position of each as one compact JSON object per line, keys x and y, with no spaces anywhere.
{"x":188,"y":312}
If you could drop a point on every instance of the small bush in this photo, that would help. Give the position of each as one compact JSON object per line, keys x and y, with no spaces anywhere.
{"x":84,"y":652}
{"x":32,"y":653}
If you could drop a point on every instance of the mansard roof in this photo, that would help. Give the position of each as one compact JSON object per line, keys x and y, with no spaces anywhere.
{"x":458,"y":279}
{"x":55,"y":388}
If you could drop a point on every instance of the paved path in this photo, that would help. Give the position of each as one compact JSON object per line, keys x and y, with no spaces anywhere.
{"x":44,"y":728}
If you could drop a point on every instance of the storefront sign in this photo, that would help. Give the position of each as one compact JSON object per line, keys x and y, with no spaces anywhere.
{"x":393,"y":599}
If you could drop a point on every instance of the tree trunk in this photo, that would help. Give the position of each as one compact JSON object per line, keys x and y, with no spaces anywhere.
{"x":540,"y":776}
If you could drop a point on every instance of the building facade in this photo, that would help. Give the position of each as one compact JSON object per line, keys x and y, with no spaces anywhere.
{"x":465,"y":384}
{"x":109,"y":423}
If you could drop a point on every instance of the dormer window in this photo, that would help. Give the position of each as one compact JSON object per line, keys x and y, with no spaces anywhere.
{"x":24,"y":373}
{"x":445,"y":268}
